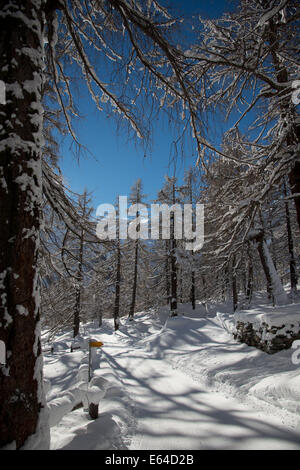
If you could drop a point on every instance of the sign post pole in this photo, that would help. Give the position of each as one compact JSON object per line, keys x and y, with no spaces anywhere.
{"x":92,"y":344}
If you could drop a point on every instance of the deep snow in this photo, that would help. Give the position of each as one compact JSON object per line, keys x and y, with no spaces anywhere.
{"x":178,"y":383}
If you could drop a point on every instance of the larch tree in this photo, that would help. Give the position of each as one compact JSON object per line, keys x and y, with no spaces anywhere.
{"x":247,"y":65}
{"x":77,"y":255}
{"x":136,"y":198}
{"x":168,"y":196}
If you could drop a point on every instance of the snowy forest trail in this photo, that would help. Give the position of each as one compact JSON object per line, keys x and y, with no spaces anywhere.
{"x":173,"y":411}
{"x":161,"y":398}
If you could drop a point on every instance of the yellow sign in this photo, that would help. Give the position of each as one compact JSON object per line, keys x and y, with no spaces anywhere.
{"x":96,"y":344}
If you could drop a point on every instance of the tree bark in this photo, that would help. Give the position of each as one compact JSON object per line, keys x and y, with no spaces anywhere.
{"x":134,"y":287}
{"x":249,"y":288}
{"x":274,"y":286}
{"x":22,"y":401}
{"x":167,"y":271}
{"x":173,"y":264}
{"x":77,"y":308}
{"x":234,"y":288}
{"x":193,"y":290}
{"x":293,"y":270}
{"x":173,"y":303}
{"x":294,"y":179}
{"x":117,"y":287}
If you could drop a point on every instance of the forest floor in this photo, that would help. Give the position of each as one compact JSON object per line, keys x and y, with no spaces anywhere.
{"x":178,"y":383}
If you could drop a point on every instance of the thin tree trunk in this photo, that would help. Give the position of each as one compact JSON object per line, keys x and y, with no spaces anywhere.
{"x":173,"y":304}
{"x":249,"y":289}
{"x":117,"y":287}
{"x":234,"y":287}
{"x":180,"y":285}
{"x":293,"y":270}
{"x":193,"y":287}
{"x":193,"y":290}
{"x":76,"y":318}
{"x":225,"y":284}
{"x":274,"y":286}
{"x":134,"y":287}
{"x":21,"y":388}
{"x":167,"y":272}
{"x":204,"y":295}
{"x":294,"y":179}
{"x":100,"y":318}
{"x":77,"y":308}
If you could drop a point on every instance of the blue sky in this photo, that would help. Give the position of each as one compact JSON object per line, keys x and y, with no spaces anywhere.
{"x":116,"y":163}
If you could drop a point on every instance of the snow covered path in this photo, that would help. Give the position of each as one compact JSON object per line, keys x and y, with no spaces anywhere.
{"x":175,"y":412}
{"x":187,"y":385}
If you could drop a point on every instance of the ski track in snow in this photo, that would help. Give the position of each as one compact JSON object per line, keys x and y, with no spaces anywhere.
{"x":163,"y":397}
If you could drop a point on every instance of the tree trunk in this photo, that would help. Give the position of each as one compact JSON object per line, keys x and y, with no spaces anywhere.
{"x":294,"y":179}
{"x":100,"y":318}
{"x":293,"y":271}
{"x":117,"y":287}
{"x":167,"y":272}
{"x":173,"y":304}
{"x":249,"y":288}
{"x":76,"y":319}
{"x":274,"y":286}
{"x":77,"y":308}
{"x":234,"y":288}
{"x":22,"y":403}
{"x":204,"y":294}
{"x":193,"y":290}
{"x":134,"y":287}
{"x":225,"y":284}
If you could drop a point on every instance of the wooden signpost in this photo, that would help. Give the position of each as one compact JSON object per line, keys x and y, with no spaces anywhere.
{"x":93,"y":407}
{"x":93,"y":344}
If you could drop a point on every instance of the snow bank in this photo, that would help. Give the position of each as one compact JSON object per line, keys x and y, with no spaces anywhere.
{"x":282,"y":389}
{"x":205,"y":349}
{"x":60,"y":406}
{"x":269,"y":328}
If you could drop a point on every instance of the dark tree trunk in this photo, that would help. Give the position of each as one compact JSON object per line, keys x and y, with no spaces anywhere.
{"x":294,"y":179}
{"x":204,"y":295}
{"x":193,"y":290}
{"x":249,"y":288}
{"x":21,"y":390}
{"x":77,"y":308}
{"x":173,"y":303}
{"x":117,"y":287}
{"x":293,"y":271}
{"x":76,"y":319}
{"x":100,"y":318}
{"x":134,"y":287}
{"x":167,"y":272}
{"x":225,"y":283}
{"x":265,"y":265}
{"x":234,"y":287}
